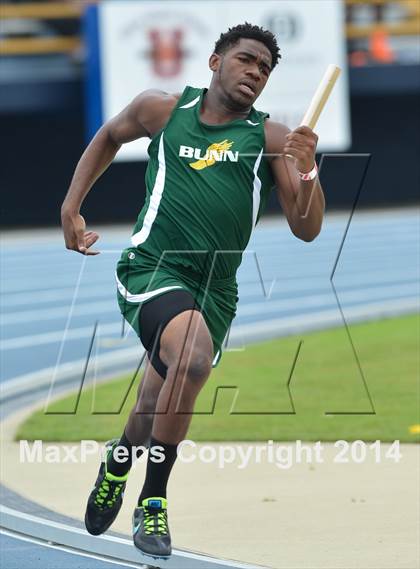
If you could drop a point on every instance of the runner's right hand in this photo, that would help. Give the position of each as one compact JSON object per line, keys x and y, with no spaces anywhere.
{"x":75,"y":235}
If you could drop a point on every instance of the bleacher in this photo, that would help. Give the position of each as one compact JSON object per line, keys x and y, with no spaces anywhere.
{"x":43,"y":107}
{"x":29,"y":28}
{"x":36,"y":28}
{"x":394,"y":17}
{"x":43,"y":41}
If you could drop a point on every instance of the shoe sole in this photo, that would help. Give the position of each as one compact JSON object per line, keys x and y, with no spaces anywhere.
{"x":152,"y":555}
{"x":94,"y":532}
{"x":90,"y":530}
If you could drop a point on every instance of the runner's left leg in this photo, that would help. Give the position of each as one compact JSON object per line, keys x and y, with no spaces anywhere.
{"x":186,"y":349}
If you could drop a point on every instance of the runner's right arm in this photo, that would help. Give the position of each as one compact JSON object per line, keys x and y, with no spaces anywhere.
{"x":141,"y":118}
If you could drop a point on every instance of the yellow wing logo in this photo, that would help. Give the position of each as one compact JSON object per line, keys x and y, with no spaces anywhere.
{"x":217,"y":148}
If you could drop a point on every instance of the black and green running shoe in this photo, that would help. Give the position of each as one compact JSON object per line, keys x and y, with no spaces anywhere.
{"x":106,"y":498}
{"x":150,"y":528}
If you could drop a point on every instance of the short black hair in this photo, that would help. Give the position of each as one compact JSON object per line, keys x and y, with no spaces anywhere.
{"x":233,"y":35}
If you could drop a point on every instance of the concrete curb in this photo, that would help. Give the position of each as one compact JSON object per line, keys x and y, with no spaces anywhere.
{"x":108,"y":546}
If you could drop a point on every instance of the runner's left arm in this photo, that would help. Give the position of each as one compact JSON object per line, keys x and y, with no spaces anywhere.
{"x":302,"y":201}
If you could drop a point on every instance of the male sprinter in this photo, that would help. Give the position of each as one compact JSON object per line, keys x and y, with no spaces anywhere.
{"x":213,"y":161}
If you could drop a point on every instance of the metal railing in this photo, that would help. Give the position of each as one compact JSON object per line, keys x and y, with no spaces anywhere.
{"x":410,"y":25}
{"x":40,"y":44}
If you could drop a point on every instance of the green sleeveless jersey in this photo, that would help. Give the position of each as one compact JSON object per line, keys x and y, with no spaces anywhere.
{"x":206,"y":186}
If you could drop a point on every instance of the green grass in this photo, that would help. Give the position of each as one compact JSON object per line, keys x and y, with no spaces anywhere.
{"x":253,"y":383}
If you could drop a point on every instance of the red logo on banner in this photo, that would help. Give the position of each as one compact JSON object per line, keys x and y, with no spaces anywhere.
{"x":166,"y":52}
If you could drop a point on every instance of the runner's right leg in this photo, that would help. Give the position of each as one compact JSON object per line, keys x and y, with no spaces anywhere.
{"x":139,"y":425}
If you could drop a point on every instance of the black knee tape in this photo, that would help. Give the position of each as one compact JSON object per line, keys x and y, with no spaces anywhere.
{"x":154,"y":316}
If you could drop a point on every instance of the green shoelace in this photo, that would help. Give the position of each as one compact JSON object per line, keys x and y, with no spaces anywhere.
{"x":155,"y":521}
{"x":108,"y":493}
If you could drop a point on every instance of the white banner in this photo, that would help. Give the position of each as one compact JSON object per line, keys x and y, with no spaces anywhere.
{"x":166,"y":45}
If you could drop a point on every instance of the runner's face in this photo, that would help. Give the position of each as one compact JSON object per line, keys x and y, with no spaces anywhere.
{"x":244,"y":70}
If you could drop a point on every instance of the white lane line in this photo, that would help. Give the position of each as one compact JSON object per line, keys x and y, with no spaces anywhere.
{"x":367,"y":253}
{"x":84,"y":309}
{"x":373,"y":223}
{"x":388,"y":244}
{"x":69,"y":550}
{"x":264,"y":304}
{"x":360,"y":296}
{"x":275,"y":255}
{"x":318,"y":251}
{"x":64,"y":293}
{"x":120,"y":359}
{"x":250,"y":289}
{"x":280,"y":242}
{"x":58,"y":336}
{"x":54,"y":337}
{"x":285,"y":268}
{"x":262,"y":236}
{"x":285,"y":285}
{"x":50,"y":280}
